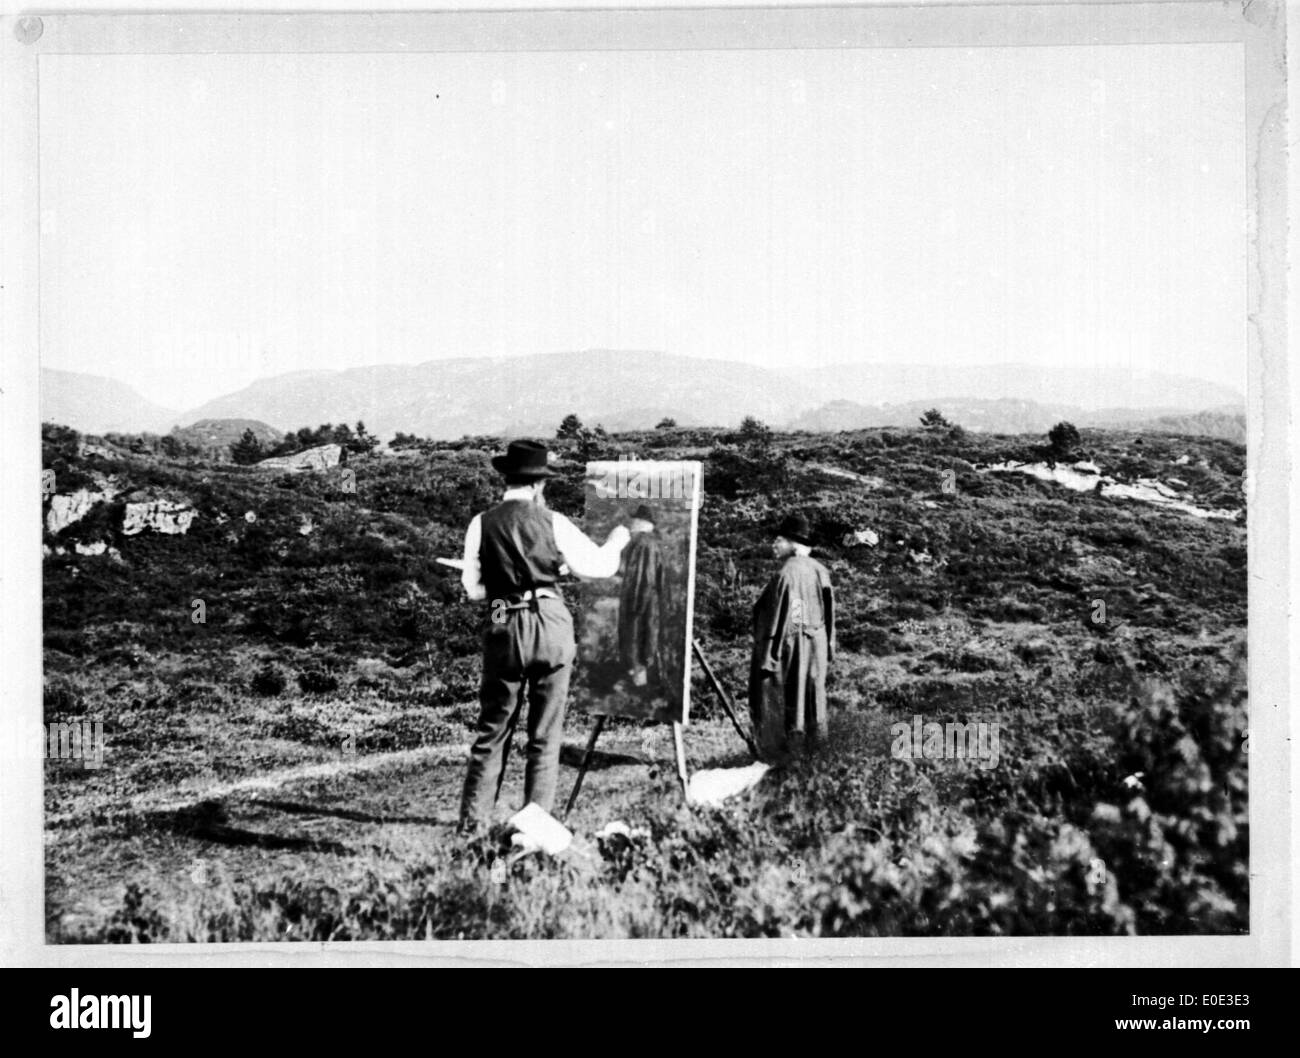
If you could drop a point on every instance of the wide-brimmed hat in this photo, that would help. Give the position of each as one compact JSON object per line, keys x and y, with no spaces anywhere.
{"x":645,"y":514}
{"x":524,"y":459}
{"x":795,"y":527}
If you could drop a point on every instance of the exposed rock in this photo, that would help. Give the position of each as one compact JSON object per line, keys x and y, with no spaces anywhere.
{"x":323,"y":457}
{"x":105,"y":450}
{"x":848,"y":475}
{"x":858,"y":537}
{"x":64,"y":510}
{"x":1145,"y":490}
{"x":162,"y":516}
{"x":98,"y":547}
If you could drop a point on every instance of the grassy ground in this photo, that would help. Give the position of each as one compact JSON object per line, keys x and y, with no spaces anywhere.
{"x":290,"y":767}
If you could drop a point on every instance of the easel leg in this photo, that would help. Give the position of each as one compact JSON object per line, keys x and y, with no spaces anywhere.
{"x":725,"y":698}
{"x":679,"y":749}
{"x":586,"y":763}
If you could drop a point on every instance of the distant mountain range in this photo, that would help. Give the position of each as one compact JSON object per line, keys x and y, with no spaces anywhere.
{"x":1089,"y":388}
{"x":515,"y":396}
{"x":625,"y":390}
{"x":98,"y":405}
{"x":1025,"y":416}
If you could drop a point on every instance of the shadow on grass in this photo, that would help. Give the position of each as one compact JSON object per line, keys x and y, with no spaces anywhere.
{"x":296,"y":808}
{"x":207,"y":821}
{"x":600,"y":759}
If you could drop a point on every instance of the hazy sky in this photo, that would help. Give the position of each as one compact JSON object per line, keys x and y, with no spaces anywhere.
{"x":209,"y":219}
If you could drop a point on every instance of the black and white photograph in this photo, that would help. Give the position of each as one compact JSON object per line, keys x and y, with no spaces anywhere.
{"x":581,"y":480}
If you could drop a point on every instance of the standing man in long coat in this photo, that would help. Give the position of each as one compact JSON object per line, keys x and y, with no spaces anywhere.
{"x":640,"y":602}
{"x":794,"y":644}
{"x":514,"y":556}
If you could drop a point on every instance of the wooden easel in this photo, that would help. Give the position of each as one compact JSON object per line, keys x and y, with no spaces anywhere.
{"x":679,"y":743}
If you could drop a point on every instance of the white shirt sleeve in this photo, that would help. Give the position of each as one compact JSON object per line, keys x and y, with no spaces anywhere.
{"x":471,"y":575}
{"x":581,"y":555}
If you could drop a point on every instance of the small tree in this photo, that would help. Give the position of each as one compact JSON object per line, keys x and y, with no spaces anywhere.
{"x":571,"y":428}
{"x":754,"y":430}
{"x":591,"y":442}
{"x":666,"y":424}
{"x":248,"y":449}
{"x":1064,"y":440}
{"x":362,"y":442}
{"x":932,"y":419}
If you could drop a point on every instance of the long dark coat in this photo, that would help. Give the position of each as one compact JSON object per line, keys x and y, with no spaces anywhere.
{"x":794,"y":643}
{"x":640,"y":603}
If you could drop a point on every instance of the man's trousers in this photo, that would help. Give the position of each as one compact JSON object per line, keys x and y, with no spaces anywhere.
{"x":533,"y":652}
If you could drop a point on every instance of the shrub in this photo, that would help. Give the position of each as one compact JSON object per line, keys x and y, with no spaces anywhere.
{"x":268,"y":681}
{"x":1063,"y":439}
{"x":754,"y":430}
{"x":247,"y":450}
{"x":571,"y":428}
{"x":1177,"y":833}
{"x":317,"y":681}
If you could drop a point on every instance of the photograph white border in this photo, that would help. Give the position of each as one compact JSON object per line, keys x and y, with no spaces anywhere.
{"x":1257,"y":24}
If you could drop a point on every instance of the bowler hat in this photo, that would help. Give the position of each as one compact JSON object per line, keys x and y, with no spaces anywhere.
{"x":645,"y":514}
{"x":524,"y":459}
{"x":795,"y":527}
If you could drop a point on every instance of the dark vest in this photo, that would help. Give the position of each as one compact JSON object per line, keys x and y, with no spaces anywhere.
{"x":517,"y":550}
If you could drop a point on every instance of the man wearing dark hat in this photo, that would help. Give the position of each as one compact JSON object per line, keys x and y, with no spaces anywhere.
{"x":640,"y":600}
{"x":794,"y":644}
{"x":514,"y":556}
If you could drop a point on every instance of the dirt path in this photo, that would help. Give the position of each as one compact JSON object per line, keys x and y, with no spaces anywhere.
{"x":188,"y":794}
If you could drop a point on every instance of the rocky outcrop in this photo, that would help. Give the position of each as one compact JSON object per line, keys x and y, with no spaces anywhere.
{"x":323,"y":457}
{"x":98,"y":448}
{"x":98,"y":547}
{"x":161,"y":516}
{"x":1143,"y":490}
{"x":860,"y":537}
{"x":64,"y":510}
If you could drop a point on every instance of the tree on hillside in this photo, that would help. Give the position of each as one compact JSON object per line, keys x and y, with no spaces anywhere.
{"x":755,"y":430}
{"x":359,"y":442}
{"x":666,"y":424}
{"x":248,"y":449}
{"x":60,"y":440}
{"x":571,"y":428}
{"x":407,"y":440}
{"x":1064,"y":440}
{"x":932,"y":419}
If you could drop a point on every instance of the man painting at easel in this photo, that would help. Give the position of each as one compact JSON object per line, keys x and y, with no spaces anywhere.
{"x":514,"y":556}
